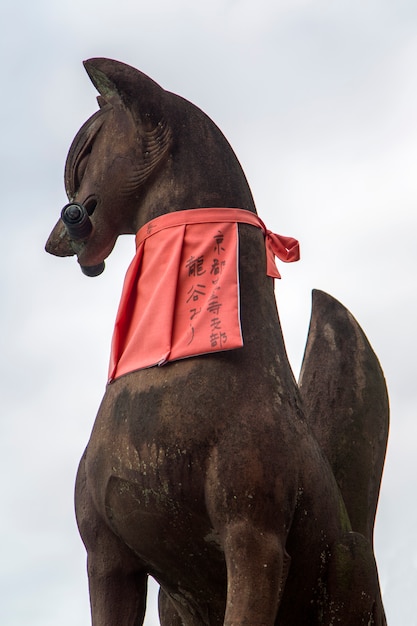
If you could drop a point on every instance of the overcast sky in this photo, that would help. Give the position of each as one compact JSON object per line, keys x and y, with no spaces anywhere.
{"x":319,"y":101}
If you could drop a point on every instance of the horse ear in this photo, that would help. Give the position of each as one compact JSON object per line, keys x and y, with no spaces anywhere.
{"x":121,"y":84}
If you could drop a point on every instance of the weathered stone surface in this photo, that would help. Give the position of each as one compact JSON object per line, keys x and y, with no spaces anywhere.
{"x":213,"y":474}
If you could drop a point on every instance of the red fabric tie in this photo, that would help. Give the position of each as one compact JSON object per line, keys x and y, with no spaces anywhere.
{"x":181,"y":292}
{"x":287,"y":249}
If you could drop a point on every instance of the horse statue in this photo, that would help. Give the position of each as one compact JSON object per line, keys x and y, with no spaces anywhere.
{"x":249,"y":498}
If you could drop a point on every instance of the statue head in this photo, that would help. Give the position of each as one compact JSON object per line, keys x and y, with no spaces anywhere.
{"x":145,"y":152}
{"x":111,"y":159}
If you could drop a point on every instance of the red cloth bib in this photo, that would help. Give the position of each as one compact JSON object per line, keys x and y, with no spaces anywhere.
{"x":181,"y":292}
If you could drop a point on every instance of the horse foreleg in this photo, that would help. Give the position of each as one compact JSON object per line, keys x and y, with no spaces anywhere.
{"x":256,"y":570}
{"x":117,"y":582}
